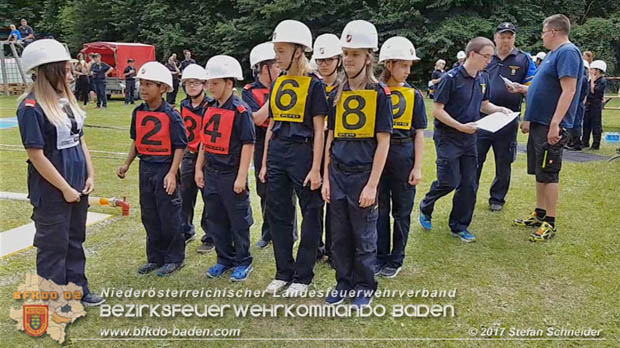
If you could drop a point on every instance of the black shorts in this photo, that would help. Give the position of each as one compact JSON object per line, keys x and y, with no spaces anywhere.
{"x":544,"y":160}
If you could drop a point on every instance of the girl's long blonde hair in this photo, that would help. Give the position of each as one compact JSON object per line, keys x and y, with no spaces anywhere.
{"x":302,"y":65}
{"x":49,"y":86}
{"x":370,"y":76}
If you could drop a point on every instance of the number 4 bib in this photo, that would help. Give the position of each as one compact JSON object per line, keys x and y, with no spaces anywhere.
{"x":403,"y":99}
{"x":217,"y":128}
{"x":355,"y":114}
{"x":288,"y":101}
{"x":153,"y":133}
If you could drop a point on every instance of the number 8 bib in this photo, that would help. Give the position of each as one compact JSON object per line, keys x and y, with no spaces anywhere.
{"x":355,"y":114}
{"x":288,"y":101}
{"x":217,"y":127}
{"x":403,"y":99}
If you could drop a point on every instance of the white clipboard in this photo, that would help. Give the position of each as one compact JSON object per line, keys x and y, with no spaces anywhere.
{"x":495,"y":121}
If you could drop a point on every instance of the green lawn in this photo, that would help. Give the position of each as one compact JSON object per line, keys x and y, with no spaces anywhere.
{"x":502,"y":279}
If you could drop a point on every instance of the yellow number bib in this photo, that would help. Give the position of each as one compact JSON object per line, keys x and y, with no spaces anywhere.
{"x":355,"y":114}
{"x":403,"y":100}
{"x":288,"y":100}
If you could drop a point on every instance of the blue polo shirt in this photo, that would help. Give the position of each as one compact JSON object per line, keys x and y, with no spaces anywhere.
{"x":178,"y":135}
{"x":37,"y":132}
{"x":418,"y":120}
{"x":242,"y":133}
{"x":545,"y":91}
{"x":130,"y":77}
{"x":316,"y":105}
{"x":516,"y":67}
{"x":360,"y":152}
{"x":99,"y":71}
{"x":462,"y":96}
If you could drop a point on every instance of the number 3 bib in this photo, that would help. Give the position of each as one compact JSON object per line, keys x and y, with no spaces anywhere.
{"x":153,"y":133}
{"x":403,"y":99}
{"x":355,"y":115}
{"x":288,"y":100}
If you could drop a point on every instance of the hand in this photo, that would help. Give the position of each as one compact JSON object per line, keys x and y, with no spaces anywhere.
{"x":516,"y":88}
{"x":262,"y":175}
{"x":122,"y":170}
{"x":553,"y":136}
{"x":239,"y":185}
{"x":325,"y":191}
{"x":469,"y":128}
{"x":89,"y":186}
{"x":415,"y":177}
{"x":71,"y":195}
{"x":368,"y":196}
{"x":170,"y":183}
{"x":525,"y":127}
{"x":314,"y":177}
{"x":199,"y":178}
{"x":505,"y":110}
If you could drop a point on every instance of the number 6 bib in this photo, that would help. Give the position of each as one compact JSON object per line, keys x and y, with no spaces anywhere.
{"x":355,"y":115}
{"x":153,"y":133}
{"x":217,"y":129}
{"x":288,"y":101}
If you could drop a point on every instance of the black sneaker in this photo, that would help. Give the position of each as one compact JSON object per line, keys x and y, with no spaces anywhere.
{"x":148,"y":268}
{"x":92,"y":300}
{"x":389,"y":272}
{"x":169,"y":268}
{"x":205,"y":248}
{"x":495,"y":207}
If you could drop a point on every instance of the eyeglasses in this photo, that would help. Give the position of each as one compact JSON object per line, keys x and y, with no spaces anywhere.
{"x":486,"y":56}
{"x":546,"y":31}
{"x":192,"y":83}
{"x":325,"y":60}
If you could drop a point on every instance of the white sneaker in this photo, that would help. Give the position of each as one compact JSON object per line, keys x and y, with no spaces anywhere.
{"x":296,"y":289}
{"x":275,"y":286}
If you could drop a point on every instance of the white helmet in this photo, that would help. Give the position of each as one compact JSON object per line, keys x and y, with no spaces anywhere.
{"x":541,"y":55}
{"x":397,"y":48}
{"x":222,"y":66}
{"x":155,"y":71}
{"x":360,"y":34}
{"x":586,"y":64}
{"x":194,"y":71}
{"x":461,"y":55}
{"x":261,"y":53}
{"x":327,"y":46}
{"x":292,"y":31}
{"x":43,"y":52}
{"x":599,"y":64}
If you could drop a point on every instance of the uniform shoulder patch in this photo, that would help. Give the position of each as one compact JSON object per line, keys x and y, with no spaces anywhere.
{"x":386,"y":89}
{"x":241,"y":108}
{"x":30,"y":102}
{"x":247,"y":87}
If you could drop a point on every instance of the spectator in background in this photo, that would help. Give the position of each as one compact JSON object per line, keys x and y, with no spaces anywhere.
{"x":15,"y":35}
{"x":540,"y":56}
{"x":588,"y":56}
{"x":173,"y":66}
{"x":26,"y":32}
{"x":130,"y":82}
{"x":460,"y":59}
{"x":440,"y":64}
{"x":82,"y":85}
{"x":100,"y":71}
{"x":188,"y":59}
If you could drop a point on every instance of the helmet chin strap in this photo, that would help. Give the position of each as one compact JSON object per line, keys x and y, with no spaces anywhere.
{"x":290,"y":63}
{"x":356,"y":75}
{"x":336,"y":68}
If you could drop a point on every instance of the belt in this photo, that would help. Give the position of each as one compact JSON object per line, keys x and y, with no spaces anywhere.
{"x":399,"y":141}
{"x":352,"y":169}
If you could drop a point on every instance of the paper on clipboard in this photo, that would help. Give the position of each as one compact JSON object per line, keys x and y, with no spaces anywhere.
{"x":495,"y":121}
{"x":508,"y":82}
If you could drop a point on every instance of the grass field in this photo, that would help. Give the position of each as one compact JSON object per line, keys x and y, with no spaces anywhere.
{"x":502,"y":280}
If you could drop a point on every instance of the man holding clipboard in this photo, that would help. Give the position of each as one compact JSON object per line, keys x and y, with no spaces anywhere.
{"x":508,"y":65}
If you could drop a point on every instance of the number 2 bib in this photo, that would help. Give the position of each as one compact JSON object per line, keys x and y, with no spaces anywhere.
{"x":288,"y":100}
{"x":153,"y":133}
{"x":355,"y":115}
{"x":217,"y":128}
{"x":403,"y":99}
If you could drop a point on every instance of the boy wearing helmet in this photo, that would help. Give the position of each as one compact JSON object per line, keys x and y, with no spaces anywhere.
{"x":228,"y":138}
{"x":192,"y":110}
{"x":292,"y":158}
{"x":592,"y":122}
{"x":265,"y":70}
{"x":360,"y":124}
{"x":60,"y":170}
{"x":159,"y":140}
{"x":403,"y":168}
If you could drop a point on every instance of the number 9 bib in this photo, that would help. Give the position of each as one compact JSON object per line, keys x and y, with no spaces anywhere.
{"x":403,"y":99}
{"x":288,"y":101}
{"x":216,"y":130}
{"x":153,"y":133}
{"x":355,"y":115}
